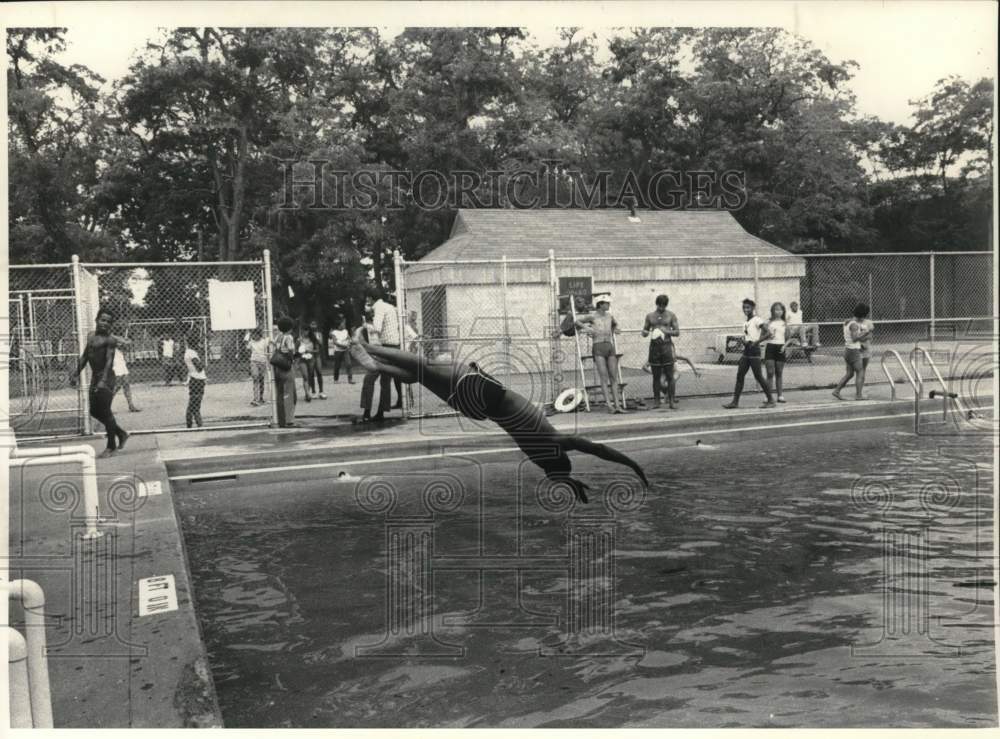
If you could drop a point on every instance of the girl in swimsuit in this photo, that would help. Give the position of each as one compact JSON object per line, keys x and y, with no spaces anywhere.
{"x":602,"y":326}
{"x":476,"y":394}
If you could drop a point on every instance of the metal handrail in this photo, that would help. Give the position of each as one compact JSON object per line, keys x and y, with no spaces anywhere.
{"x":946,"y":394}
{"x":902,"y":365}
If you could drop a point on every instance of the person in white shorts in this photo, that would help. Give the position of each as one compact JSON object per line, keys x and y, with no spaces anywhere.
{"x":807,"y":334}
{"x":120,"y":370}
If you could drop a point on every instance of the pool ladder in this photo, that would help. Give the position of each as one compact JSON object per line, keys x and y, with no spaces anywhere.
{"x":917,"y":383}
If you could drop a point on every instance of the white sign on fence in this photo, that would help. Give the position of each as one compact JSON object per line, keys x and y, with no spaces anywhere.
{"x":231,"y":305}
{"x":157,"y":595}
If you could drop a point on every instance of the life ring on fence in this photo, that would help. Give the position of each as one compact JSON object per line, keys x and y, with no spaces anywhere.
{"x":568,"y":400}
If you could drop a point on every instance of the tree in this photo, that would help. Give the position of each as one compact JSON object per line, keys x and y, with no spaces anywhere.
{"x":55,"y":127}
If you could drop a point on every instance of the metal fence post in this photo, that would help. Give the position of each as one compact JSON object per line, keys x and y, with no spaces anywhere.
{"x":269,"y":315}
{"x":83,"y":399}
{"x":397,"y":263}
{"x":756,"y":281}
{"x":506,"y":324}
{"x":932,"y":298}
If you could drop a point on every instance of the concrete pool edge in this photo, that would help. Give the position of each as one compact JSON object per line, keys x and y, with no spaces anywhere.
{"x":124,"y":642}
{"x":323,"y":453}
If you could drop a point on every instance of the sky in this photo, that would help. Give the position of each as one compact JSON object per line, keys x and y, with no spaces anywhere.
{"x":902,"y":48}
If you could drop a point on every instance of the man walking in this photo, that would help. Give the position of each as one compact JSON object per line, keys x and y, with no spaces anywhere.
{"x":100,"y":355}
{"x":661,"y":326}
{"x":754,"y":333}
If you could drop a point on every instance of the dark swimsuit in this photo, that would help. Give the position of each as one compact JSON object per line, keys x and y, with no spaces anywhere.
{"x":477,"y":394}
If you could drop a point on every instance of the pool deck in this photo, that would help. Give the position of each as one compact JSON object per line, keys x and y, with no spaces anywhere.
{"x":111,"y":667}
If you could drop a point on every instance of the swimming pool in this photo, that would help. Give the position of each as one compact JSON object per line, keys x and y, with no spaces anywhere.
{"x":841,"y":579}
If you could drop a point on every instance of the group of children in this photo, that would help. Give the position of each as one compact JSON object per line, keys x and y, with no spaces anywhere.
{"x":775,"y":336}
{"x":308,"y":345}
{"x":303,"y":349}
{"x":764,"y":349}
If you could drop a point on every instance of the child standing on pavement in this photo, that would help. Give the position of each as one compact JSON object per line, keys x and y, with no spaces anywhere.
{"x":259,"y":347}
{"x":774,"y":349}
{"x":196,"y":383}
{"x":340,"y":342}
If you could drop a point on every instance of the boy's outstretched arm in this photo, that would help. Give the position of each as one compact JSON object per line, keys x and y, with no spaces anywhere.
{"x":604,"y":452}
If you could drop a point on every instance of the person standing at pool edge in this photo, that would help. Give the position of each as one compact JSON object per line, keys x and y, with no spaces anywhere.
{"x":774,"y":349}
{"x":386,"y":322}
{"x":100,"y":355}
{"x":662,"y":325}
{"x":857,"y":351}
{"x":754,"y":332}
{"x":602,"y":327}
{"x":284,"y":372}
{"x":366,"y":334}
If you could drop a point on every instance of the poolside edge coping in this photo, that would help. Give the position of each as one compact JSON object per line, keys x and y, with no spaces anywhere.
{"x":189,"y":462}
{"x":120,"y":669}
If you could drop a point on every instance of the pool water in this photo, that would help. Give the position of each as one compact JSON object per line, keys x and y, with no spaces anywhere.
{"x":841,"y":579}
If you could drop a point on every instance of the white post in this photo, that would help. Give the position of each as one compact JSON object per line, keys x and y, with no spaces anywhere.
{"x":506,"y":324}
{"x":23,"y":344}
{"x":83,"y":397}
{"x":932,"y":300}
{"x":17,"y":667}
{"x":756,"y":281}
{"x":397,"y":265}
{"x":555,"y":340}
{"x":269,"y":317}
{"x":32,"y":600}
{"x":579,"y":353}
{"x":88,"y":469}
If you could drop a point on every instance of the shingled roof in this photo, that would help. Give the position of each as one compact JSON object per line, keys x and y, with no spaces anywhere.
{"x":527,"y":234}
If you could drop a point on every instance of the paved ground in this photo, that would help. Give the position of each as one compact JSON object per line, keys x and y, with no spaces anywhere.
{"x":110,"y":666}
{"x":228,"y":403}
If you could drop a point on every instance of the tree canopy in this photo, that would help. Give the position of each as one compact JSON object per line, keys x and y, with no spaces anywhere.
{"x":186,"y":157}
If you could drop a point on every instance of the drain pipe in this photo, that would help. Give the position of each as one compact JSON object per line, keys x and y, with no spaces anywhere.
{"x":32,"y":600}
{"x":89,"y":473}
{"x":17,"y":668}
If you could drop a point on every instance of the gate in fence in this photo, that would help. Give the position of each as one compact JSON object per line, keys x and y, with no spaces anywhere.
{"x":165,"y":313}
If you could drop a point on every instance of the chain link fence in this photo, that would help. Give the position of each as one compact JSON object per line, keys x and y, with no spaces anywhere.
{"x":43,"y":347}
{"x":505,"y":314}
{"x":165,"y":314}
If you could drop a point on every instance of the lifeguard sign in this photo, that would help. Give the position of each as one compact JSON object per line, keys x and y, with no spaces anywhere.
{"x":582,"y":290}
